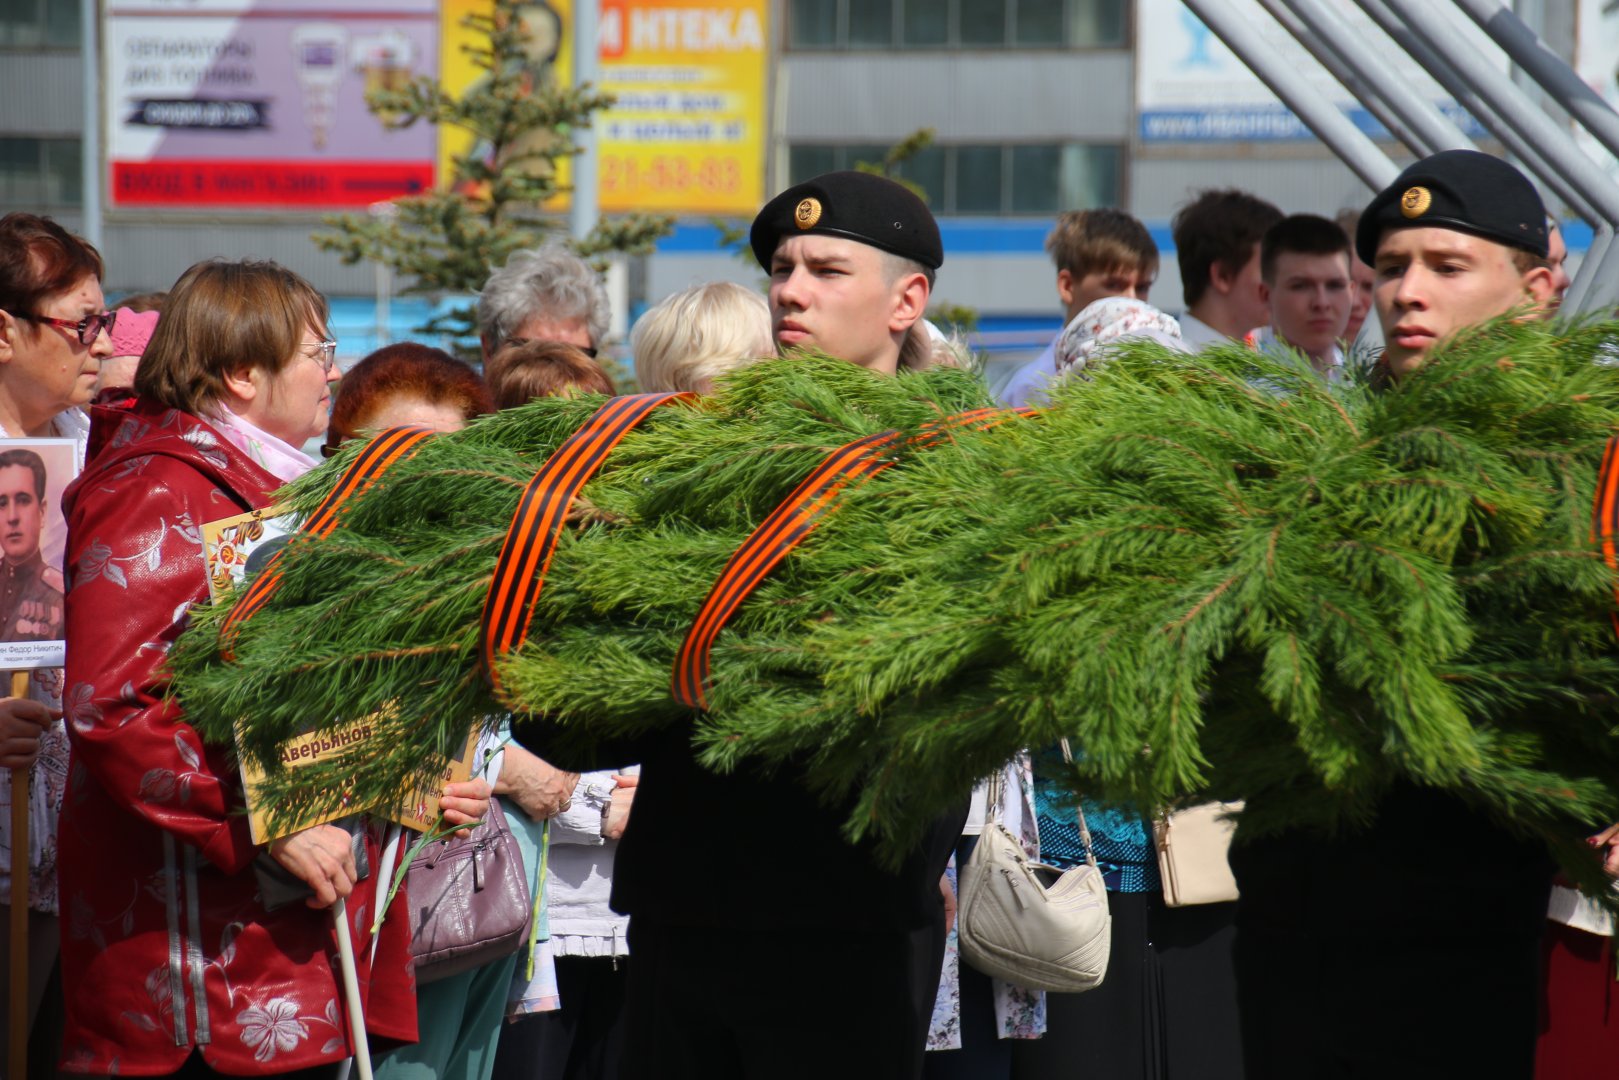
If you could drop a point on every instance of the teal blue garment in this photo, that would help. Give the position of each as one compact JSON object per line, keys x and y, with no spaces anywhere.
{"x":1122,"y":840}
{"x":459,"y":1019}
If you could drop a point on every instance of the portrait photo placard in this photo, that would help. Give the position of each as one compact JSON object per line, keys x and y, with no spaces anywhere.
{"x":33,"y":537}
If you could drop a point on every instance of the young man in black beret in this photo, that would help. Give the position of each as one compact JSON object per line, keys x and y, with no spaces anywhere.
{"x":762,"y":943}
{"x":1357,"y":955}
{"x":1459,"y":238}
{"x":851,"y":259}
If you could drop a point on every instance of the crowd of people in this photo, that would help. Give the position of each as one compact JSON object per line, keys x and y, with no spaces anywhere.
{"x":163,"y":941}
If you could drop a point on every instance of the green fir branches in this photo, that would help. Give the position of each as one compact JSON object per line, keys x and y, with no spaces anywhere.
{"x":1214,"y":574}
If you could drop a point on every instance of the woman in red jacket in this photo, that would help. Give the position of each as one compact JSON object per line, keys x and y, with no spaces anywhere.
{"x":171,"y":961}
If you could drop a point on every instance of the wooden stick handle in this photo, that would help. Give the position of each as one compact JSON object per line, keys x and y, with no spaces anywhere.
{"x":17,"y":1060}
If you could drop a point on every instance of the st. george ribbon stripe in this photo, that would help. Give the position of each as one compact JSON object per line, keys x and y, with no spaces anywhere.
{"x":379,"y":455}
{"x":777,"y":535}
{"x":531,"y":540}
{"x":786,"y":526}
{"x":1605,"y":514}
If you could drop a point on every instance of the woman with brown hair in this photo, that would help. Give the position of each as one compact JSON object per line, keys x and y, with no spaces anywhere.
{"x":173,"y":958}
{"x":54,"y":333}
{"x":523,"y":370}
{"x":405,"y":384}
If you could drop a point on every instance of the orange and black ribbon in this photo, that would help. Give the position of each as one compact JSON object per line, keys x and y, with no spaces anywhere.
{"x":1605,"y":514}
{"x":379,"y":455}
{"x":787,"y":526}
{"x":537,"y":523}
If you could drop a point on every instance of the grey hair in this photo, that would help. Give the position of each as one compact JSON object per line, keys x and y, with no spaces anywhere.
{"x":550,"y":283}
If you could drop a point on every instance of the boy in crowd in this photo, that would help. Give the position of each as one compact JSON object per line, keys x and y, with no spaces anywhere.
{"x":1305,"y":280}
{"x":1217,"y":238}
{"x":1099,"y":253}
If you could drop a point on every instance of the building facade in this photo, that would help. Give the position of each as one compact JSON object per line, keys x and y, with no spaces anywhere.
{"x":1036,"y":106}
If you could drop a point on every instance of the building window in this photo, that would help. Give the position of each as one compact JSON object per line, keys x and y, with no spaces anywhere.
{"x":988,"y":178}
{"x":956,"y":24}
{"x":33,"y":23}
{"x":40,"y":173}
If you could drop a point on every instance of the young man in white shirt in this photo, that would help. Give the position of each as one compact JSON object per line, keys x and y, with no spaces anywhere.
{"x":1306,"y":282}
{"x":1099,"y":253}
{"x":1217,"y":238}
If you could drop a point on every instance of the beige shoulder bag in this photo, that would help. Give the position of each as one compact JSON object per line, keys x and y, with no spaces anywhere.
{"x":1027,"y":923}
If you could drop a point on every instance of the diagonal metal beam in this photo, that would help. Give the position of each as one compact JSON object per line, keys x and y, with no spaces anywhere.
{"x":1331,"y":126}
{"x":1326,"y":31}
{"x":1339,"y":67}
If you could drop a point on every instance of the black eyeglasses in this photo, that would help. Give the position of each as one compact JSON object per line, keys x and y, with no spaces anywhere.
{"x":509,"y":343}
{"x":88,"y":328}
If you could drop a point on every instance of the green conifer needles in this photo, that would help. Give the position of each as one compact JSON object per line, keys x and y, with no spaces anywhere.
{"x":1211,"y":573}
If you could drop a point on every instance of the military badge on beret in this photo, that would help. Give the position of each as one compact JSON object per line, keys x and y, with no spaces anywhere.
{"x":857,"y":206}
{"x":1463,"y":190}
{"x":1415,"y":202}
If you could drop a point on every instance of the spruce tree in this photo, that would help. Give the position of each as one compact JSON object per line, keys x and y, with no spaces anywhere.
{"x":493,"y":203}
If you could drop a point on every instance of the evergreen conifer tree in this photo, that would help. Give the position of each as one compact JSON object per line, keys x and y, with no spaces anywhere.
{"x":446,"y":241}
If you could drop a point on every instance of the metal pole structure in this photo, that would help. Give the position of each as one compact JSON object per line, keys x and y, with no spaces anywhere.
{"x":586,"y":69}
{"x":1338,"y":66}
{"x":1548,"y":69}
{"x":90,"y":146}
{"x":1557,"y":149}
{"x":1601,"y":244}
{"x":1332,"y":127}
{"x":1459,"y":89}
{"x":1434,"y":130}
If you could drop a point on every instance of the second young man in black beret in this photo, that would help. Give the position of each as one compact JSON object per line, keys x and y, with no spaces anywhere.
{"x":1356,"y":954}
{"x":851,"y":258}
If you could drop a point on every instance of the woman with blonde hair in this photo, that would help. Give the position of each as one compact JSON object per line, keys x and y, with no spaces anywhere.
{"x":687,"y":340}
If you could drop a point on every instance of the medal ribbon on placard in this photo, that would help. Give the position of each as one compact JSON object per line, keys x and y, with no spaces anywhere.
{"x":525,"y":558}
{"x":380,"y":455}
{"x":788,"y":525}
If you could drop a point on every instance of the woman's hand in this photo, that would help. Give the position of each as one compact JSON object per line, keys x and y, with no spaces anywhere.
{"x":465,"y":803}
{"x":618,"y":807}
{"x":320,"y":857}
{"x":22,"y":722}
{"x":540,"y":790}
{"x":1607,"y":842}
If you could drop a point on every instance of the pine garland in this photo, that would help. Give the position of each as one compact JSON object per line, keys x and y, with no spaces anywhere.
{"x":1212,"y":573}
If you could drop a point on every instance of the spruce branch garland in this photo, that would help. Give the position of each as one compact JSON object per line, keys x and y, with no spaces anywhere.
{"x":1212,"y":573}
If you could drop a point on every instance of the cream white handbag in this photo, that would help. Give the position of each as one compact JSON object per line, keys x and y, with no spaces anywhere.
{"x":1031,"y":924}
{"x":1192,"y":847}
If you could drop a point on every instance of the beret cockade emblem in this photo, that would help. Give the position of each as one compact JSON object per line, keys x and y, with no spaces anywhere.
{"x":807,"y":213}
{"x":1415,"y":202}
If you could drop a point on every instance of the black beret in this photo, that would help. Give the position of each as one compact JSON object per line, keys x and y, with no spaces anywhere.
{"x":854,"y":205}
{"x":1458,"y":189}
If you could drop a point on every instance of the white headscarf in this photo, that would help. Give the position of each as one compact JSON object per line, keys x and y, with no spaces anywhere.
{"x":1107,"y":322}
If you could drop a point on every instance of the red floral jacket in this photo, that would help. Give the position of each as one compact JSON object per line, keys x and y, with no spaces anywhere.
{"x":165,"y":943}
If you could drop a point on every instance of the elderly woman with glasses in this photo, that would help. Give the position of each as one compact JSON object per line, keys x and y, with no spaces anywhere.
{"x":53,"y":337}
{"x":187,"y":948}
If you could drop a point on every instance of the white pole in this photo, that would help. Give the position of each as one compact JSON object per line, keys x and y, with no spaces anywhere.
{"x":586,"y":69}
{"x":351,"y":988}
{"x":90,"y":165}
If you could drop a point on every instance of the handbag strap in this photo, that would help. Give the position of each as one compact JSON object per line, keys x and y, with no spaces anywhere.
{"x":1079,"y":810}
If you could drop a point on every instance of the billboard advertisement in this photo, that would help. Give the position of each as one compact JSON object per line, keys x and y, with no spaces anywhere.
{"x":687,"y":135}
{"x":260,"y":104}
{"x":1191,"y":88}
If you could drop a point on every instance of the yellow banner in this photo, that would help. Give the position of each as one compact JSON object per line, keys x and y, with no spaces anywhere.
{"x":688,"y":133}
